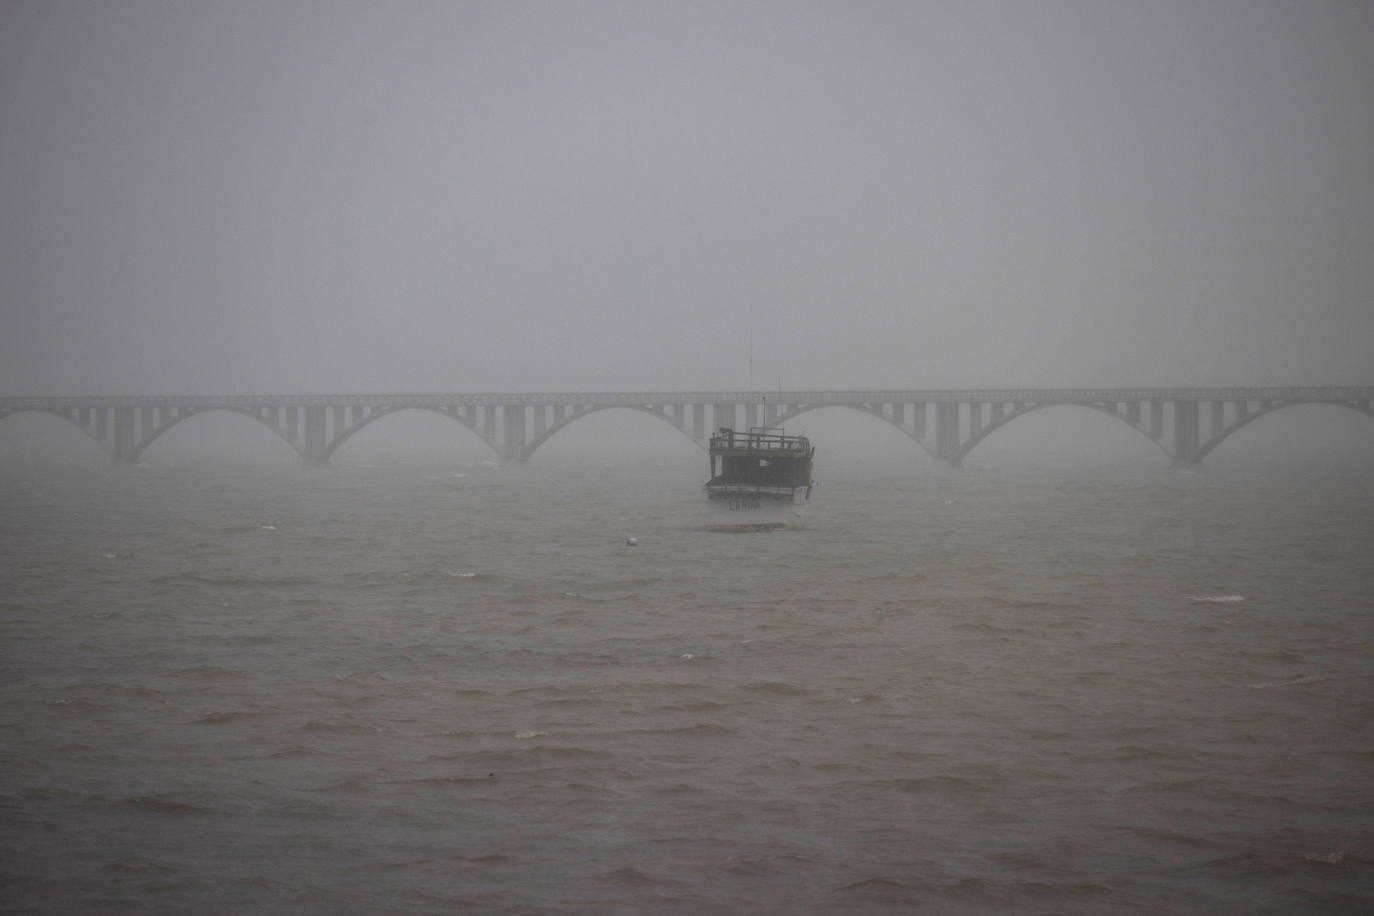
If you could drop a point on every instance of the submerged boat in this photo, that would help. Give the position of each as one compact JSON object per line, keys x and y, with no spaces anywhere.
{"x":759,"y":479}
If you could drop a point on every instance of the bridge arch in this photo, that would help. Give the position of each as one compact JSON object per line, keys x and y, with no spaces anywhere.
{"x":788,"y":415}
{"x":1021,"y":410}
{"x":587,"y":411}
{"x":171,"y":422}
{"x":1240,"y":423}
{"x":362,"y":423}
{"x":68,"y":417}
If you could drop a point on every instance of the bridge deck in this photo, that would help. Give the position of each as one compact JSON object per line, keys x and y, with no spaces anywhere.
{"x":1185,"y":423}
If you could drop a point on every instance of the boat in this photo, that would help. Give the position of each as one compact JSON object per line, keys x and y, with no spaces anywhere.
{"x":759,"y":479}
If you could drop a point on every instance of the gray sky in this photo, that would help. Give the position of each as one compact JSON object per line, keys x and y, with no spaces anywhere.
{"x":399,"y":196}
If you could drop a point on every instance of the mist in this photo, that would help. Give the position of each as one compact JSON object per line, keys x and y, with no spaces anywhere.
{"x":348,"y":196}
{"x":541,"y":653}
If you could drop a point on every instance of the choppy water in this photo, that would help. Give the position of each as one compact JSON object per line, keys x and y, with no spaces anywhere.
{"x":369,"y":689}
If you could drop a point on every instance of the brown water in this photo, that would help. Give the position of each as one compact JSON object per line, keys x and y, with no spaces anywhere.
{"x":398,"y":689}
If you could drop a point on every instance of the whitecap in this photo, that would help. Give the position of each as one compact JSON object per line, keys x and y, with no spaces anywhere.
{"x":529,"y":734}
{"x":1216,"y":599}
{"x":269,"y":527}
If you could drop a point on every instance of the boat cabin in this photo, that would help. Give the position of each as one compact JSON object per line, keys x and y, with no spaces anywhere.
{"x":763,"y":457}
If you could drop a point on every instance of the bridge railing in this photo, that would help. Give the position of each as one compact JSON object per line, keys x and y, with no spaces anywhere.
{"x":659,"y":398}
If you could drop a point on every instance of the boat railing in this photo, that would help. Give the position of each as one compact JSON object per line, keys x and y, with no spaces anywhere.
{"x":759,"y":439}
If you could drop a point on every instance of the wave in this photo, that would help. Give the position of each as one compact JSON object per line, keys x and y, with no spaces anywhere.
{"x":207,"y":673}
{"x":878,"y":886}
{"x":76,"y":706}
{"x":944,"y":786}
{"x":1313,"y":679}
{"x":697,"y":730}
{"x":161,"y":804}
{"x":1215,"y":599}
{"x":494,"y":858}
{"x":228,"y":718}
{"x":354,"y":786}
{"x":629,"y":876}
{"x":523,"y":756}
{"x":450,"y":782}
{"x":137,"y":865}
{"x":691,"y":706}
{"x":1308,"y":679}
{"x":316,"y":726}
{"x":599,"y":599}
{"x":229,"y":581}
{"x":777,"y":688}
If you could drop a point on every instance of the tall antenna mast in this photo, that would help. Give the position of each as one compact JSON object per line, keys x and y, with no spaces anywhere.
{"x":750,"y":324}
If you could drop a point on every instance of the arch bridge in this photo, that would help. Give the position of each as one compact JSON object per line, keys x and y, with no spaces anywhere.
{"x":1185,"y":423}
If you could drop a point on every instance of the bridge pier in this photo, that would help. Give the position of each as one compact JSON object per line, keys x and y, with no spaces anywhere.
{"x":125,"y":435}
{"x":947,"y":432}
{"x":513,"y":434}
{"x":315,"y":448}
{"x":1187,"y":429}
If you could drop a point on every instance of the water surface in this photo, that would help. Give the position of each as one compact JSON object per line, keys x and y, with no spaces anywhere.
{"x":437,"y":689}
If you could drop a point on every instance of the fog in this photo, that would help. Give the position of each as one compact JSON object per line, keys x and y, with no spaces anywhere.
{"x":349,"y":196}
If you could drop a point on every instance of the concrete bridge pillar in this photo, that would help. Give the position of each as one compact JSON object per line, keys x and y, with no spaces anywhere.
{"x":513,"y":432}
{"x":1186,"y":430}
{"x":1156,"y":420}
{"x":722,"y":415}
{"x":125,"y":435}
{"x":975,"y":418}
{"x":316,"y":447}
{"x":947,"y":432}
